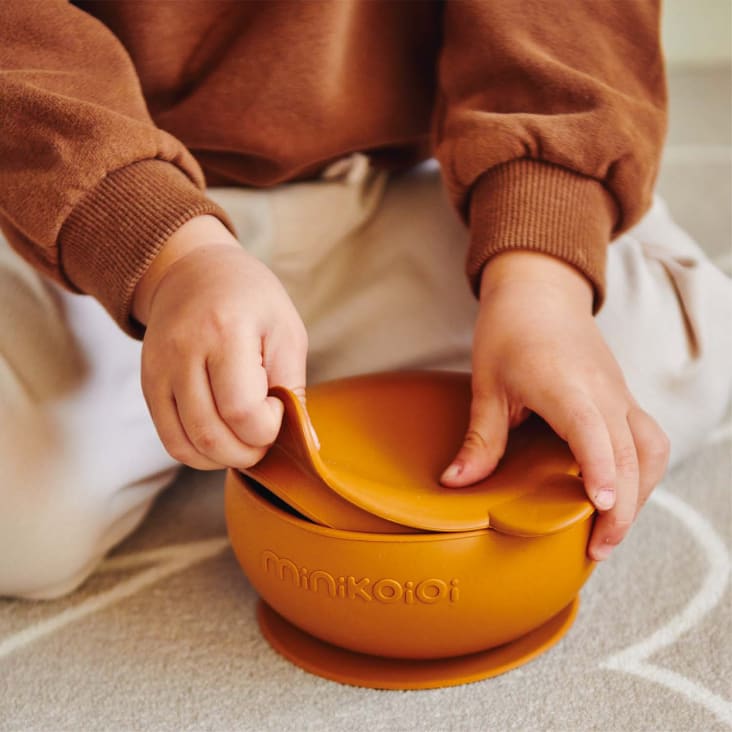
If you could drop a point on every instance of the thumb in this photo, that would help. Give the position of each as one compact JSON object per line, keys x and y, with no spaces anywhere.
{"x":483,"y":446}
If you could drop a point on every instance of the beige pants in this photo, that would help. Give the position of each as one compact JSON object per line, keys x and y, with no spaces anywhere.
{"x":375,"y":267}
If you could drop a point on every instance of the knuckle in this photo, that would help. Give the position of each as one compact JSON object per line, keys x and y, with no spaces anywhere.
{"x":583,"y":416}
{"x":613,"y":539}
{"x":660,"y":448}
{"x":617,"y":527}
{"x":204,"y":439}
{"x":475,"y":439}
{"x":483,"y":390}
{"x":626,"y":458}
{"x":221,"y":316}
{"x":217,"y":321}
{"x":601,"y":381}
{"x":174,"y":342}
{"x":176,"y":445}
{"x":179,"y":451}
{"x":237,"y":414}
{"x":252,"y":426}
{"x":621,"y":523}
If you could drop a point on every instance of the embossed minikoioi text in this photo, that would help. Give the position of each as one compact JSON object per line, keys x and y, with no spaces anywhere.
{"x":386,"y":590}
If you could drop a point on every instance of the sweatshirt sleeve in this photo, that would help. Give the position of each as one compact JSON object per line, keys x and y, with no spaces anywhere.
{"x":90,"y":188}
{"x":549,"y":125}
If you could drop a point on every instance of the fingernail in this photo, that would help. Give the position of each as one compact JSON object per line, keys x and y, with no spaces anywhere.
{"x":315,"y":437}
{"x":605,"y":499}
{"x":453,"y":471}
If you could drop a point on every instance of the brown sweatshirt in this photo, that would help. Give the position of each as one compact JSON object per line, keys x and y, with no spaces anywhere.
{"x":547,"y":118}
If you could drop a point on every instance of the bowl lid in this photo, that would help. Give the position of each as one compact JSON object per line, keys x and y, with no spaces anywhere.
{"x":384,"y":440}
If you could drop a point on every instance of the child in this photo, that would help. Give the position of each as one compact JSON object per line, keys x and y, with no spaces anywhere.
{"x":308,"y":120}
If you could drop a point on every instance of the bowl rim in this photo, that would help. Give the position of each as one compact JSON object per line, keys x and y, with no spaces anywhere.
{"x":241,"y":481}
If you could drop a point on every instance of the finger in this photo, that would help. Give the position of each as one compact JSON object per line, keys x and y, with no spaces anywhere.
{"x":484,"y":443}
{"x":653,"y":448}
{"x":203,"y":425}
{"x":164,"y":413}
{"x":286,"y":361}
{"x":161,"y":404}
{"x":612,"y":526}
{"x":238,"y":384}
{"x":579,"y":422}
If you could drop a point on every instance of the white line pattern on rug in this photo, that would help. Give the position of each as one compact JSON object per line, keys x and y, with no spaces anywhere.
{"x":170,"y":559}
{"x":633,"y":660}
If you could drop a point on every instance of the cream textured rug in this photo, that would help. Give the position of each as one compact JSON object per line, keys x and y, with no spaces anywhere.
{"x":163,"y":636}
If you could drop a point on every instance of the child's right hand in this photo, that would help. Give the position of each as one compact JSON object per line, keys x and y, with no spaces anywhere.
{"x":220,"y":331}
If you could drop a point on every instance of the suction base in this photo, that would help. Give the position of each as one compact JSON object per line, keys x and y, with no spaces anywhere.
{"x":357,"y":669}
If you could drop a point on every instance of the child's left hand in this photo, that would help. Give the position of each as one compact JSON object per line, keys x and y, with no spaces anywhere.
{"x":537,"y":347}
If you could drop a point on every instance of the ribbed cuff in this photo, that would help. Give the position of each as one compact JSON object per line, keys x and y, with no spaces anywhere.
{"x":531,"y":205}
{"x":110,"y":238}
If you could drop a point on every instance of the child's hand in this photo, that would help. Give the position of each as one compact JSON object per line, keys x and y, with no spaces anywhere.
{"x":537,"y":347}
{"x":220,"y":331}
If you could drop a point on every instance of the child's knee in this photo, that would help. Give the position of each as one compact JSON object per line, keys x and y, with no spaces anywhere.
{"x":63,"y":507}
{"x":50,"y":518}
{"x":49,"y":533}
{"x":45,"y":564}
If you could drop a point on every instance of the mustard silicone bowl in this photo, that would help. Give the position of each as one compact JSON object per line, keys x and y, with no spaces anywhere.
{"x":374,"y":573}
{"x":411,"y":597}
